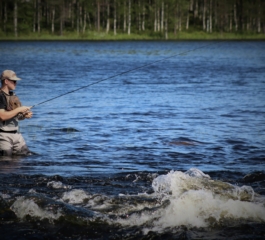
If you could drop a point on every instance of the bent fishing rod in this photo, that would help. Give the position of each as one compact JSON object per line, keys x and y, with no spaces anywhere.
{"x":121,"y":73}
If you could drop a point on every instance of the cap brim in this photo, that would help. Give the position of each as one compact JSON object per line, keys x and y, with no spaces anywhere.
{"x":15,"y":79}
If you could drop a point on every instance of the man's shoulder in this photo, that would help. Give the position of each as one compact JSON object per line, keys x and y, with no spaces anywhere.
{"x":2,"y":95}
{"x":2,"y":100}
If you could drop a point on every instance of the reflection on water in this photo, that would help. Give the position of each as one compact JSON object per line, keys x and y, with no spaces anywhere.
{"x":10,"y":164}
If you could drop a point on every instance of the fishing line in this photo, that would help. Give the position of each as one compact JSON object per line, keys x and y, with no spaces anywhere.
{"x":122,"y":73}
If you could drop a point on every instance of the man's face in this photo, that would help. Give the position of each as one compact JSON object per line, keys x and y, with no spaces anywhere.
{"x":11,"y":84}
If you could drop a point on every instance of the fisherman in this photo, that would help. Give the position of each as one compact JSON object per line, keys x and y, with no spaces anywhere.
{"x":11,"y":111}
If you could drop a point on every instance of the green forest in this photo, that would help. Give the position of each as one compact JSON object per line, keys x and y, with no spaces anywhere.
{"x":132,"y":19}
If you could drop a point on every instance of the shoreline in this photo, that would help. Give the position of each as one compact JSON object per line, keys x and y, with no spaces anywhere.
{"x":95,"y":36}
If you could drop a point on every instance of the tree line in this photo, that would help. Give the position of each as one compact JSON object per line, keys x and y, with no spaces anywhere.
{"x":159,"y":17}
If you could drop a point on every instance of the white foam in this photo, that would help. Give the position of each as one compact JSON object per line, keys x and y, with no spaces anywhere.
{"x":4,"y":195}
{"x":76,"y":196}
{"x":32,"y":190}
{"x":194,"y":172}
{"x":23,"y":207}
{"x":201,"y":208}
{"x":176,"y":183}
{"x":97,"y":202}
{"x":57,"y":185}
{"x":196,"y":200}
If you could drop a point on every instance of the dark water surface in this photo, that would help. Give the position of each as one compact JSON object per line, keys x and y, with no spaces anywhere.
{"x":173,"y":150}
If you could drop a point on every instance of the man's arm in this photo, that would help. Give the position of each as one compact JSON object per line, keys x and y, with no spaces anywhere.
{"x":6,"y":115}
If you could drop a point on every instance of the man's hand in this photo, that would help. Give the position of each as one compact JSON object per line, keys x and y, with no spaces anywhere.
{"x":28,"y":114}
{"x":23,"y":109}
{"x":24,"y":112}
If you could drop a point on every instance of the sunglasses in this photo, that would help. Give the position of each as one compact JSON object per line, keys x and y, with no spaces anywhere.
{"x":12,"y":80}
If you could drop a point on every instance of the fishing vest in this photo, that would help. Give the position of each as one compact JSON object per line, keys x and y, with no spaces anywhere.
{"x":12,"y":102}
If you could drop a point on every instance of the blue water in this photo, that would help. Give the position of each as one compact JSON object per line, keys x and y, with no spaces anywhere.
{"x":196,"y":104}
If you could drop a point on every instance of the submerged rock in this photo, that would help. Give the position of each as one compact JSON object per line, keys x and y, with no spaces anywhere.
{"x":5,"y":212}
{"x":254,"y":177}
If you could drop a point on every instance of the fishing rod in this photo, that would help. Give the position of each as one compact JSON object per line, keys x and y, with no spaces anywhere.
{"x":122,"y":73}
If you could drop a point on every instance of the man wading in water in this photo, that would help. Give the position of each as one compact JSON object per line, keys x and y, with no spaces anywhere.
{"x":11,"y":111}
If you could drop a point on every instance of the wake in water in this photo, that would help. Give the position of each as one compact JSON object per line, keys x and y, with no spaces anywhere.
{"x":189,"y":203}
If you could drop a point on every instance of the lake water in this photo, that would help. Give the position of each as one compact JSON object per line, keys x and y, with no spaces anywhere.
{"x":155,"y":140}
